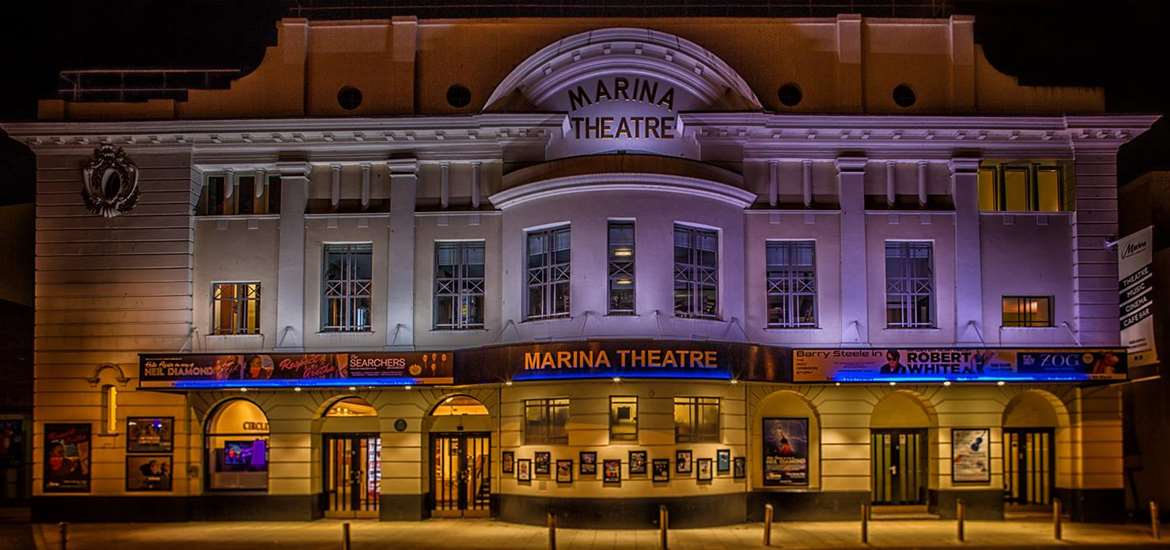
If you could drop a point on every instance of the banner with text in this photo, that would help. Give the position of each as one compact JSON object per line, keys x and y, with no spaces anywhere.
{"x":1135,"y":271}
{"x":313,"y":369}
{"x":958,"y":364}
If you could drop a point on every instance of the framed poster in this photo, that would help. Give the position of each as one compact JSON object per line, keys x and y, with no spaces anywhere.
{"x":785,"y":451}
{"x":971,"y":455}
{"x":661,"y":469}
{"x":66,"y":460}
{"x":723,"y":461}
{"x":507,"y":462}
{"x":148,"y":472}
{"x":739,"y":467}
{"x":564,"y":471}
{"x":524,"y":470}
{"x":612,"y":469}
{"x":150,"y":434}
{"x":588,"y":463}
{"x":638,"y":461}
{"x":682,"y":462}
{"x":543,"y":462}
{"x":703,"y":465}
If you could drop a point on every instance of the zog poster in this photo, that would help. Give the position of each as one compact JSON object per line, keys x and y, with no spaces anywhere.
{"x":971,"y":455}
{"x":785,"y":451}
{"x":67,"y":458}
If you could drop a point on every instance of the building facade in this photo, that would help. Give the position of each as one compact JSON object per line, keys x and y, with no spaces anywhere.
{"x":413,"y":268}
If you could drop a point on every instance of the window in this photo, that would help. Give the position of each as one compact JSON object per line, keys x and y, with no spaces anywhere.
{"x":236,"y":441}
{"x":545,"y":421}
{"x":909,"y":285}
{"x":792,"y":284}
{"x":1027,"y":311}
{"x":345,"y":287}
{"x":696,"y":272}
{"x":621,"y":268}
{"x":235,"y":308}
{"x":623,"y":418}
{"x":548,"y":274}
{"x":696,"y":419}
{"x":214,"y":196}
{"x":1021,"y":187}
{"x":459,"y":285}
{"x":243,"y":200}
{"x":272,"y":194}
{"x":109,"y":409}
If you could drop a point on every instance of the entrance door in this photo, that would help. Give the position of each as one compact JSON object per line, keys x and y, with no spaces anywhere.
{"x":353,"y":475}
{"x":899,"y":466}
{"x":1028,"y":465}
{"x":461,"y":474}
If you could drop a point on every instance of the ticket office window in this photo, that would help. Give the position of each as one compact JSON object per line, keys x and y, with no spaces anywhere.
{"x":623,"y":418}
{"x":546,"y":421}
{"x":236,"y":444}
{"x":696,"y":419}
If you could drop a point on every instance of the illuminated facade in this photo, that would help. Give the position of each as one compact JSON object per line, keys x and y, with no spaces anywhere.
{"x":716,"y":264}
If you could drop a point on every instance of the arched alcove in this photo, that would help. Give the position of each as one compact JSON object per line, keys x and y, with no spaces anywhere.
{"x":1037,"y":454}
{"x":778,"y":423}
{"x":459,"y":412}
{"x":236,"y":442}
{"x":903,"y":449}
{"x":350,"y":414}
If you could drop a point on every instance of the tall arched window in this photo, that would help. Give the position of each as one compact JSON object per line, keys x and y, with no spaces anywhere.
{"x":237,"y":447}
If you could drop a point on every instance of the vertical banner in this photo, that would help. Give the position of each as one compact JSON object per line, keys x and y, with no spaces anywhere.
{"x":1135,"y":271}
{"x":971,"y":455}
{"x":67,"y":455}
{"x":786,"y":451}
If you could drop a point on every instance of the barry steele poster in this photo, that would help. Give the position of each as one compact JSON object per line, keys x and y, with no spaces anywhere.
{"x":786,"y":451}
{"x":67,"y":455}
{"x":971,"y":455}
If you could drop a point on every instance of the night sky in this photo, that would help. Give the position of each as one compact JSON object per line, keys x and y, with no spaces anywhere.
{"x":1119,"y":44}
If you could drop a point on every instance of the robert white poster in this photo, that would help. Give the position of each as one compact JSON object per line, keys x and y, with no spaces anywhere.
{"x":971,"y":455}
{"x":1136,"y":275}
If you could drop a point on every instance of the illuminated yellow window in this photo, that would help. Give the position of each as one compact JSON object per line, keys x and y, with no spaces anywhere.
{"x":1015,"y":189}
{"x":1027,"y":311}
{"x":987,"y":190}
{"x":1048,"y":189}
{"x":110,"y":409}
{"x":235,"y":308}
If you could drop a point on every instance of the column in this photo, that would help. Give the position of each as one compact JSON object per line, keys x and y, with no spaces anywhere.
{"x":968,"y":251}
{"x":854,"y":290}
{"x":290,"y":274}
{"x":400,"y":309}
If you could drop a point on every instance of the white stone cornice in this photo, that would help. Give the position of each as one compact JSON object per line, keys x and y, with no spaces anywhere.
{"x":641,"y":182}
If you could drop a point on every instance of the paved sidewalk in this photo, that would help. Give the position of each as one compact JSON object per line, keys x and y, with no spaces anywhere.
{"x":488,"y":534}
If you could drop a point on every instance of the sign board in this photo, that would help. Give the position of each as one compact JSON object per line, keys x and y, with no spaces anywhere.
{"x":275,"y":370}
{"x":785,"y":451}
{"x":1135,"y":271}
{"x":958,"y":364}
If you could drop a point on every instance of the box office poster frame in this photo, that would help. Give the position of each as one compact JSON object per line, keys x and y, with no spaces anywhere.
{"x":785,"y":451}
{"x":971,"y":455}
{"x":149,"y":473}
{"x":958,"y":364}
{"x":150,"y":434}
{"x":67,"y":455}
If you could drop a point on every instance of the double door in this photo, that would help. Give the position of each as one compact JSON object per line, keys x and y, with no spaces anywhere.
{"x":461,"y":474}
{"x":1027,"y":466}
{"x":352,"y":485}
{"x":899,"y":466}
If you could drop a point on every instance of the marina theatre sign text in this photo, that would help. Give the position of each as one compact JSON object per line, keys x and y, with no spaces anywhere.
{"x":640,"y":92}
{"x":621,"y":359}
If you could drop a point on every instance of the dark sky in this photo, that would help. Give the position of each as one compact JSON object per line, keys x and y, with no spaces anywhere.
{"x":1119,"y":44}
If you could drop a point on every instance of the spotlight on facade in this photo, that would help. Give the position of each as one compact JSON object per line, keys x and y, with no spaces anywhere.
{"x":353,"y":388}
{"x":734,"y":381}
{"x":1000,"y":383}
{"x":836,"y":383}
{"x":243,"y":390}
{"x":508,"y":383}
{"x":893,"y":383}
{"x":407,"y":388}
{"x":617,"y":379}
{"x":298,"y":388}
{"x":946,"y":382}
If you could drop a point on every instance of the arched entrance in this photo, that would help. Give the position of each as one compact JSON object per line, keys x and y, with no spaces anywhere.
{"x":351,"y":465}
{"x":1031,"y":427}
{"x":460,"y":458}
{"x":900,"y":450}
{"x":787,"y":430}
{"x":236,"y":440}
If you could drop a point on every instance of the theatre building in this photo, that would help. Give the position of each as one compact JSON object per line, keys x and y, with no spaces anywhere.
{"x":412,"y":268}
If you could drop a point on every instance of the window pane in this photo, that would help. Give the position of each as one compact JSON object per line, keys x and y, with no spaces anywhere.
{"x":246,"y":193}
{"x":696,"y":272}
{"x":909,"y":285}
{"x":623,"y":418}
{"x":987,"y":189}
{"x":1015,"y":189}
{"x":683,"y":427}
{"x":1048,"y":189}
{"x":273,"y":194}
{"x":346,"y":288}
{"x":621,"y":268}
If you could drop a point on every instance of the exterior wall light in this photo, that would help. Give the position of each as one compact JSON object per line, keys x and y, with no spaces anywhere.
{"x":617,"y":379}
{"x":893,"y":383}
{"x":298,"y":388}
{"x":1000,"y":383}
{"x":946,"y":382}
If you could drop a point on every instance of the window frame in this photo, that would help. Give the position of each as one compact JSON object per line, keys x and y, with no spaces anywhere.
{"x":694,"y":285}
{"x":459,"y":289}
{"x":351,"y":249}
{"x":215,"y":329}
{"x":1031,"y":170}
{"x":908,"y":279}
{"x":546,"y":405}
{"x":693,"y":403}
{"x":231,"y":206}
{"x":1026,"y":321}
{"x":634,"y":402}
{"x":792,"y":275}
{"x":617,"y":266}
{"x":548,"y":275}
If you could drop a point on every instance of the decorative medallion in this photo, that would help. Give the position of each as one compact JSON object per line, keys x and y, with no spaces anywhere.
{"x":111,"y":182}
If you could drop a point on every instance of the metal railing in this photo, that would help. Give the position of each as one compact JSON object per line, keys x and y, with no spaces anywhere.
{"x":139,"y":84}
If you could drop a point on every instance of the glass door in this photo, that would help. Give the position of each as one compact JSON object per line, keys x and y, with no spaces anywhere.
{"x":352,"y":485}
{"x":460,"y":474}
{"x":899,"y":466}
{"x":1028,"y":466}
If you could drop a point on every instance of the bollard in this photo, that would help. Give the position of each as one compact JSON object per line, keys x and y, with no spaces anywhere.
{"x":345,"y":536}
{"x":864,"y":524}
{"x":663,"y":526}
{"x":1056,"y":518}
{"x":552,"y":531}
{"x":960,"y":517}
{"x":1154,"y":518}
{"x":768,"y":524}
{"x":63,"y":531}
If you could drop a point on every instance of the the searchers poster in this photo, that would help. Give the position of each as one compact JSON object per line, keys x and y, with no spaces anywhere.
{"x":67,"y":458}
{"x":971,"y":455}
{"x":145,"y":434}
{"x":959,"y":364}
{"x":270,"y":369}
{"x":786,"y":451}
